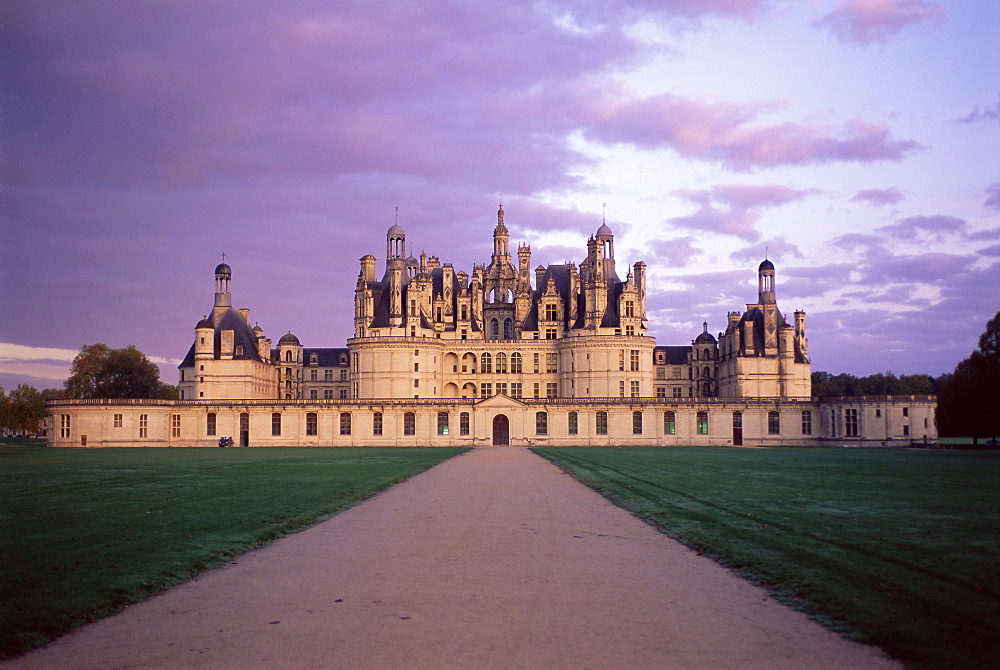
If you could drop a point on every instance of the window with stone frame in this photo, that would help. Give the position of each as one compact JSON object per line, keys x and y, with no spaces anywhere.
{"x":601,"y":421}
{"x":669,"y":423}
{"x":345,"y":423}
{"x":541,"y":423}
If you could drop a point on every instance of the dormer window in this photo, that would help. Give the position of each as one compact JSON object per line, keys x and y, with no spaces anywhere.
{"x":313,"y":359}
{"x":239,"y":350}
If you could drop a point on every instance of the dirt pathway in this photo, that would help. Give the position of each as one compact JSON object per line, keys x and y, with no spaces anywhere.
{"x":494,"y":559}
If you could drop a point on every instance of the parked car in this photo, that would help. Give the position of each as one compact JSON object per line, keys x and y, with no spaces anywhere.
{"x":225,"y":441}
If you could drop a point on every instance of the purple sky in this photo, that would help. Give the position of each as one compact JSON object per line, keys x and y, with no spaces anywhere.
{"x":855,"y":140}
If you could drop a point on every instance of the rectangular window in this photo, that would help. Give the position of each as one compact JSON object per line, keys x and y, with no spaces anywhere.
{"x":703,"y":423}
{"x":416,"y":383}
{"x":328,"y":394}
{"x":312,"y":427}
{"x":486,"y":363}
{"x":276,"y":424}
{"x":486,"y":390}
{"x":573,"y":425}
{"x":661,"y":391}
{"x":377,"y":423}
{"x":343,"y":374}
{"x":773,"y":423}
{"x":634,"y":360}
{"x":551,"y":312}
{"x":541,"y":423}
{"x":502,"y":388}
{"x":345,"y":423}
{"x":669,"y":423}
{"x":64,"y":425}
{"x":210,"y":423}
{"x":313,"y":393}
{"x":677,"y":391}
{"x":409,"y":423}
{"x":328,"y":375}
{"x":313,"y":375}
{"x":536,"y":389}
{"x":621,"y":360}
{"x":807,"y":422}
{"x":637,"y":423}
{"x":602,"y":423}
{"x":851,"y":422}
{"x":343,"y":393}
{"x":416,"y":367}
{"x":463,"y":423}
{"x":906,"y":411}
{"x":535,"y":358}
{"x":118,"y":420}
{"x":621,"y":388}
{"x":661,"y":373}
{"x":550,"y":333}
{"x":629,"y":309}
{"x":143,"y":425}
{"x":630,"y":330}
{"x":634,"y":389}
{"x":550,"y":363}
{"x":515,"y":389}
{"x":442,"y":423}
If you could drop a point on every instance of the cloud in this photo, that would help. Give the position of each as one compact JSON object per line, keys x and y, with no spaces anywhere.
{"x":723,"y":132}
{"x":919,"y":268}
{"x":993,"y":197}
{"x":983,"y":114}
{"x":925,"y":228}
{"x":879,"y":197}
{"x":734,"y":209}
{"x":868,"y":21}
{"x":775,"y":248}
{"x":677,"y":251}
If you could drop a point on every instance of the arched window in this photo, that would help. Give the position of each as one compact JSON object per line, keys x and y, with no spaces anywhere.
{"x":486,"y":363}
{"x":495,"y":328}
{"x":508,"y":329}
{"x":515,"y":363}
{"x":288,"y":355}
{"x":501,"y":363}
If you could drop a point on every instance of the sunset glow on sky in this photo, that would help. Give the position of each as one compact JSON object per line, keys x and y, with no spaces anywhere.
{"x":855,"y":142}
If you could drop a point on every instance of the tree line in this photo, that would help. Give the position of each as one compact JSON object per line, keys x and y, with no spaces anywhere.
{"x":98,"y":371}
{"x":826,"y":385}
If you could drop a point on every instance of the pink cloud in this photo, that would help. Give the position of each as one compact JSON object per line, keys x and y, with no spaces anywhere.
{"x":992,"y":197}
{"x":678,"y":251}
{"x":925,"y":228}
{"x":879,"y":197}
{"x":723,"y":132}
{"x":733,"y":209}
{"x":867,"y":21}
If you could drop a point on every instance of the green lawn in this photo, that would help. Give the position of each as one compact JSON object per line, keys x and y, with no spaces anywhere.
{"x":84,"y":532}
{"x":899,"y":548}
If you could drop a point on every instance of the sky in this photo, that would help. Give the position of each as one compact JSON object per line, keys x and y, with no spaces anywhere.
{"x":854,"y":143}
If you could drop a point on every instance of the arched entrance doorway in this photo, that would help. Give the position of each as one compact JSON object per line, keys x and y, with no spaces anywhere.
{"x":501,"y":430}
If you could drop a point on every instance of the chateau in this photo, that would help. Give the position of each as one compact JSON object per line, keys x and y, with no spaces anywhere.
{"x":555,"y":355}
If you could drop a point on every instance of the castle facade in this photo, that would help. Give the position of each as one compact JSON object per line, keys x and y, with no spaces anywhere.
{"x":553,"y":355}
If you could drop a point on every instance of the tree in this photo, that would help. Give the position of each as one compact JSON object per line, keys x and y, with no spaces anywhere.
{"x":969,"y":403}
{"x":23,"y":410}
{"x":99,"y":371}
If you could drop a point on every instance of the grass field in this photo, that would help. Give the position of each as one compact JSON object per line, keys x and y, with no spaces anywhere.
{"x":83,"y":532}
{"x":897,"y":548}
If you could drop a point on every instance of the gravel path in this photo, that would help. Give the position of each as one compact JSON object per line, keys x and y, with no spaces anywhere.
{"x":493,"y":559}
